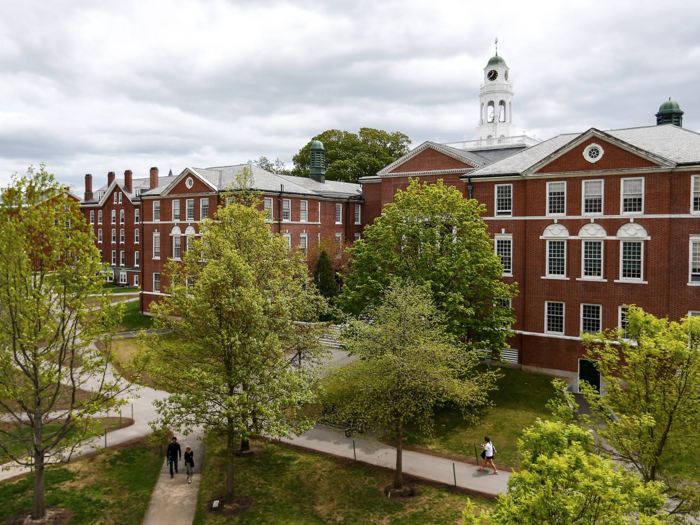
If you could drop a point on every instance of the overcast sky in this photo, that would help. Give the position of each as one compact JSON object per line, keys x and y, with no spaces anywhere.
{"x":98,"y":86}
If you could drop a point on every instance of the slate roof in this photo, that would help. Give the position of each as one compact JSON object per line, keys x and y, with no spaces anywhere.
{"x":678,"y":145}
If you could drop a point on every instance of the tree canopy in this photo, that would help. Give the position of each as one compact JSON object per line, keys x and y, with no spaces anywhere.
{"x":244,"y":308}
{"x":350,"y":156}
{"x":407,"y":366}
{"x":433,"y":235}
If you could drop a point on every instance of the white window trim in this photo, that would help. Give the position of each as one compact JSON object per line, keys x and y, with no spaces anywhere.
{"x":622,"y":196}
{"x":600,"y":324}
{"x":565,"y":195}
{"x":563,"y":318}
{"x":319,"y":214}
{"x":99,"y":217}
{"x":122,"y":258}
{"x":284,"y":209}
{"x":504,"y":237}
{"x":99,"y":235}
{"x":137,"y":236}
{"x":690,"y":261}
{"x":358,"y":214}
{"x":187,"y":207}
{"x":288,"y":238}
{"x":202,"y":201}
{"x":602,"y":261}
{"x":122,"y":216}
{"x":156,"y":204}
{"x":154,"y":282}
{"x":619,"y":318}
{"x":160,"y":248}
{"x":602,"y":198}
{"x":114,"y":216}
{"x":301,"y":215}
{"x":495,"y":201}
{"x":114,"y":257}
{"x":114,"y":201}
{"x":120,"y":197}
{"x":692,"y":185}
{"x":341,"y":212}
{"x":179,"y":210}
{"x":628,"y":279}
{"x":122,"y":235}
{"x":305,"y":237}
{"x":92,"y":216}
{"x":136,"y":279}
{"x":114,"y":236}
{"x":136,"y":216}
{"x":566,"y":261}
{"x":270,"y":210}
{"x":137,"y":259}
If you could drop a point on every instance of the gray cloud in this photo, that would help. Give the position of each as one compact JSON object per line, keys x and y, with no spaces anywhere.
{"x":108,"y":86}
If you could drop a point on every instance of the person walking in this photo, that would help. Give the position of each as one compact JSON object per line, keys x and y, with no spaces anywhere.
{"x":172,"y":454}
{"x":189,"y":463}
{"x":487,"y":454}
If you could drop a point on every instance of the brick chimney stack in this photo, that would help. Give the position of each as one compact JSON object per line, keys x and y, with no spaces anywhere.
{"x":88,"y":187}
{"x":110,"y":178}
{"x":153,"y":183}
{"x":127,"y":181}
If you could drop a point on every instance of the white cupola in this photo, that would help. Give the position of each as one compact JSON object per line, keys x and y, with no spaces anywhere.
{"x":496,"y":102}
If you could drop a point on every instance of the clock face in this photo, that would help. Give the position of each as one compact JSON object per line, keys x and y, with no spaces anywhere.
{"x":506,"y":76}
{"x":492,"y":75}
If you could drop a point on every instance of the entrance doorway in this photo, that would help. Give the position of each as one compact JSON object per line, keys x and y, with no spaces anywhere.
{"x":587,"y":372}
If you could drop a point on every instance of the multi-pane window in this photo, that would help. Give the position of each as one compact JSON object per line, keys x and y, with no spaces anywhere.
{"x":504,"y":200}
{"x":286,"y":209}
{"x":99,"y":235}
{"x":556,"y":258}
{"x":156,"y":245}
{"x":122,"y":216}
{"x":695,"y":261}
{"x":556,"y":198}
{"x":99,"y":216}
{"x":632,"y":195}
{"x":122,"y":278}
{"x":590,"y":318}
{"x":593,"y":259}
{"x":114,"y":236}
{"x":631,"y":260}
{"x":136,"y":216}
{"x":269,"y":207}
{"x":592,"y":197}
{"x":122,"y":258}
{"x":114,"y":257}
{"x":137,"y":191}
{"x":338,"y":213}
{"x":136,"y":236}
{"x":554,"y":313}
{"x":204,"y":208}
{"x":176,"y":210}
{"x":504,"y":249}
{"x":303,"y":243}
{"x":288,"y":239}
{"x":121,"y":236}
{"x":358,"y":214}
{"x":136,"y":279}
{"x":115,"y":197}
{"x":695,"y":194}
{"x":190,"y":209}
{"x":177,"y":247}
{"x":137,"y":259}
{"x":156,"y":210}
{"x":120,"y":198}
{"x":304,"y":211}
{"x":358,"y":236}
{"x":92,"y":216}
{"x":156,"y":282}
{"x":114,"y":216}
{"x":623,"y":321}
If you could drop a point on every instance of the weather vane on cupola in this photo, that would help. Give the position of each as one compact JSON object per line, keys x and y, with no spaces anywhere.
{"x":496,"y":42}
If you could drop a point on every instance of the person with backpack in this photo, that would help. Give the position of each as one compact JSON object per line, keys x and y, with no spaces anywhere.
{"x":189,"y":463}
{"x":488,"y":453}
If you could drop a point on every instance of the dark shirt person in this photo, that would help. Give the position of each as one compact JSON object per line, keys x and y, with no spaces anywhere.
{"x":173,"y":454}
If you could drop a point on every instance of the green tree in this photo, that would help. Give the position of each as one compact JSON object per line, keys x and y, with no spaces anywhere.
{"x":407,"y":366}
{"x":563,"y":482}
{"x":649,"y":416}
{"x":433,"y":235}
{"x":324,"y":276}
{"x":276,"y":166}
{"x":49,"y":268}
{"x":350,"y":156}
{"x":238,"y":318}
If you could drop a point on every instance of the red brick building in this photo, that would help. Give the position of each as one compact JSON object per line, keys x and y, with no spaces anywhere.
{"x":585,"y":224}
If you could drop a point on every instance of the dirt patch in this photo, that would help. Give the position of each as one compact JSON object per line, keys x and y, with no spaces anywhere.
{"x":54,"y":516}
{"x":238,"y":506}
{"x":253,"y":452}
{"x":406,"y":492}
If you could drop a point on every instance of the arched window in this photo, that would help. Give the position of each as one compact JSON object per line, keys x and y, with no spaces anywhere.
{"x":482,"y":113}
{"x":189,"y":233}
{"x":502,"y":111}
{"x":176,"y":233}
{"x":592,"y":247}
{"x":556,"y":235}
{"x":490,"y":111}
{"x":632,"y":236}
{"x":510,"y":112}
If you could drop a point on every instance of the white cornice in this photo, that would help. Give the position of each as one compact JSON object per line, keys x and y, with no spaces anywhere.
{"x":182,"y":175}
{"x":425,"y":173}
{"x":420,"y":149}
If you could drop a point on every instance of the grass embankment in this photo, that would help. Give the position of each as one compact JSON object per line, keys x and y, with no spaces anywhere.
{"x":289,"y":486}
{"x":117,"y":289}
{"x":110,"y":424}
{"x":521,"y":398}
{"x":133,"y":319}
{"x":112,"y":487}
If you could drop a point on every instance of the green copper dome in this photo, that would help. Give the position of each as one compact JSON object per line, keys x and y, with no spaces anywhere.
{"x":496,"y":61}
{"x":317,"y":144}
{"x":317,"y":161}
{"x":670,"y":113}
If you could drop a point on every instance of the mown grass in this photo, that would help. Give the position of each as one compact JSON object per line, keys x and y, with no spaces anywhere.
{"x":289,"y":486}
{"x":133,"y":319}
{"x":521,"y":398}
{"x":112,"y":487}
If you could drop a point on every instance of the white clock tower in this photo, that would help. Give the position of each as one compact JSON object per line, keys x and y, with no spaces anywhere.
{"x":496,"y":98}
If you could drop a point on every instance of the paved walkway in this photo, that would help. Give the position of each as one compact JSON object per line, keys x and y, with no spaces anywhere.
{"x":174,"y":501}
{"x":332,"y":441}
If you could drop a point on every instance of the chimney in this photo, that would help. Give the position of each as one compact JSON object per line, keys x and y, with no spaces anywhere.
{"x":110,"y":178}
{"x":154,"y":179}
{"x":127,"y":181}
{"x":88,"y":187}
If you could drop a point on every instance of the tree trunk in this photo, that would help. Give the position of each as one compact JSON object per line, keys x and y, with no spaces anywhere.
{"x":398,"y":479}
{"x":245,"y":445}
{"x":38,"y":505}
{"x":230,"y":449}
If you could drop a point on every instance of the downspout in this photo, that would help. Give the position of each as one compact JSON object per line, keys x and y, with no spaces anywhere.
{"x":279,"y":209}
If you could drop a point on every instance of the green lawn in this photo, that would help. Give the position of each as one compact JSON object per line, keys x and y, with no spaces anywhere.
{"x":520,"y":399}
{"x":115,"y":288}
{"x":133,"y":318}
{"x":290,"y":487}
{"x":112,"y":487}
